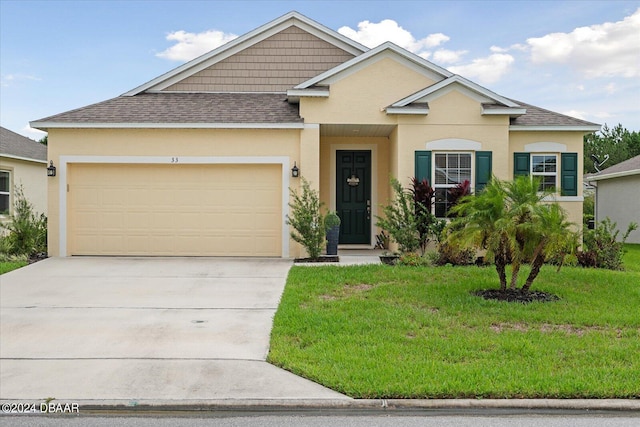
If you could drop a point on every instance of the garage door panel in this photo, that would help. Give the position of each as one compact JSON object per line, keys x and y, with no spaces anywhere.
{"x":208,"y":210}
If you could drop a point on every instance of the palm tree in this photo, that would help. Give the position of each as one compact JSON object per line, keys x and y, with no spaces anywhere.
{"x":555,"y":238}
{"x":514,"y":225}
{"x":522,"y":197}
{"x":480,"y":223}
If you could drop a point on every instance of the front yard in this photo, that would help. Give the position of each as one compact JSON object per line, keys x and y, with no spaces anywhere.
{"x":418,"y":332}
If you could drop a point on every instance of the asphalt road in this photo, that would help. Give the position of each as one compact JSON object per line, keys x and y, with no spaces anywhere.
{"x":476,"y":419}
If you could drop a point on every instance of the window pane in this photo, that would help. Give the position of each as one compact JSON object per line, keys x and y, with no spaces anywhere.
{"x":441,"y":204}
{"x":440,"y":176}
{"x":453,"y":160}
{"x":4,"y":181}
{"x":4,"y":203}
{"x":465,"y":161}
{"x":537,"y":163}
{"x":441,"y":161}
{"x":550,"y":164}
{"x":465,"y":174}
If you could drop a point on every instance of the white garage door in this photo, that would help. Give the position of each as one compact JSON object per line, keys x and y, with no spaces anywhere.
{"x":175,"y":210}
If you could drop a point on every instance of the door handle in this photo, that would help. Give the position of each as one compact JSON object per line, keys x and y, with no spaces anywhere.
{"x":368,"y":209}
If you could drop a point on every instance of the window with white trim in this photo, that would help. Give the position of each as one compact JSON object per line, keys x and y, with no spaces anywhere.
{"x":450,"y":169}
{"x":5,"y":192}
{"x":545,"y":166}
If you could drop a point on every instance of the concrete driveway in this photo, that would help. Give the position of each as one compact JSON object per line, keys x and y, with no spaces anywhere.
{"x":144,"y":330}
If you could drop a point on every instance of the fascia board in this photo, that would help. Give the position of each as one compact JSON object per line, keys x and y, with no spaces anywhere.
{"x":568,"y":128}
{"x":407,"y":110}
{"x":57,"y":125}
{"x":24,"y":159}
{"x":312,"y":93}
{"x":252,"y":37}
{"x":513,"y":112}
{"x":358,"y":60}
{"x":614,"y":175}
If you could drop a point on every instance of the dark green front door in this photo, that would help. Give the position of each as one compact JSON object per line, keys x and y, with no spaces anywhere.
{"x":353,"y":196}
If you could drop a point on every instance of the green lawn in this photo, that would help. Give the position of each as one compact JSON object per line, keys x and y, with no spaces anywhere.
{"x":417,"y":332}
{"x":7,"y":266}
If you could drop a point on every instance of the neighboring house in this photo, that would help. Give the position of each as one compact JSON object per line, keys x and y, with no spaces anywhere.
{"x":618,"y":195}
{"x":23,"y":162}
{"x":198,"y":161}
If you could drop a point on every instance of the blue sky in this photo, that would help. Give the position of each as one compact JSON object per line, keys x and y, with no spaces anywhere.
{"x":580,"y":58}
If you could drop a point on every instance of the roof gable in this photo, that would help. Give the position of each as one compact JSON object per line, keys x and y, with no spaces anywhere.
{"x":248,"y":40}
{"x":471,"y":89}
{"x":19,"y":147}
{"x":385,"y":50}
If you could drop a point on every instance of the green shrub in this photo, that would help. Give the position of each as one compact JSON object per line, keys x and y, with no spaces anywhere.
{"x":25,"y":234}
{"x":588,"y":209}
{"x":400,"y":219}
{"x":413,"y":259}
{"x":454,"y":254}
{"x":601,"y":246}
{"x":307,"y":220}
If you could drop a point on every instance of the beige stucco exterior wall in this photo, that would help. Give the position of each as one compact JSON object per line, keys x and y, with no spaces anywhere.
{"x":362,"y":96}
{"x":166,"y":142}
{"x":32,"y":176}
{"x":618,"y":199}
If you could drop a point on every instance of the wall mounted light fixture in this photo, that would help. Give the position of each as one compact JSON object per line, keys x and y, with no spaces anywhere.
{"x":295,"y":172}
{"x":51,"y":170}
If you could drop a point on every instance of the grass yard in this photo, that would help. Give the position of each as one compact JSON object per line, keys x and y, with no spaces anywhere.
{"x":8,"y":266}
{"x":417,"y":332}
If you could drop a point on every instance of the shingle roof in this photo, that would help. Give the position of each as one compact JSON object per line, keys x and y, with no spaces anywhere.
{"x":537,"y":116}
{"x":628,"y":167}
{"x":15,"y":145}
{"x":152,"y":108}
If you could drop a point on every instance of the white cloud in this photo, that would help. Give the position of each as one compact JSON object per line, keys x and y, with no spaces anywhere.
{"x":445,"y":56}
{"x":517,"y":46}
{"x":603,"y":50}
{"x":192,"y":45}
{"x":9,"y":79}
{"x":373,"y":34}
{"x":611,"y":88}
{"x":485,"y":70}
{"x":582,"y":115}
{"x":33,"y":133}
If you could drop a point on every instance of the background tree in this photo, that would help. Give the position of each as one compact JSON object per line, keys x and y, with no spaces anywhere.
{"x":44,"y":140}
{"x":617,"y":142}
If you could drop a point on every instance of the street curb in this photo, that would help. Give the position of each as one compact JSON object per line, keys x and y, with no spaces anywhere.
{"x":302,"y":405}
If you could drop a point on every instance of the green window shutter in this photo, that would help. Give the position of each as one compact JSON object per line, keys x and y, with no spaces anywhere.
{"x":520,"y":164}
{"x":423,"y":166}
{"x":483,"y":169}
{"x":569,"y":174}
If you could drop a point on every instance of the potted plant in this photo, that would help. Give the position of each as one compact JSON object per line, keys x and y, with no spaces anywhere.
{"x":332,"y":229}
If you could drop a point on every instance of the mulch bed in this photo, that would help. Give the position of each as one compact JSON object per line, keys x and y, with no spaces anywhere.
{"x":516,"y":295}
{"x":327,"y":258}
{"x":37,"y":257}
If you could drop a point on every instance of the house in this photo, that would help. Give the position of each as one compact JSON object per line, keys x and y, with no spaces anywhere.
{"x":198,"y":161}
{"x":618,"y":195}
{"x":23,"y":163}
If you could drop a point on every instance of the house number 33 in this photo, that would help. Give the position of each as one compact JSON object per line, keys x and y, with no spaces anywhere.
{"x":174,"y":160}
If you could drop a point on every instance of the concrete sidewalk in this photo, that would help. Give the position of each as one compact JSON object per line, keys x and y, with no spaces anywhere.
{"x":150,"y":329}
